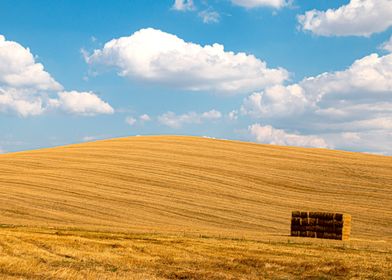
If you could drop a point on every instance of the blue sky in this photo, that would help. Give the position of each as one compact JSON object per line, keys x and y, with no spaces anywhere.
{"x":303,"y":73}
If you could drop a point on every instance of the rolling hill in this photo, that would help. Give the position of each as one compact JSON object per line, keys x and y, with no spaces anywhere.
{"x":191,"y":184}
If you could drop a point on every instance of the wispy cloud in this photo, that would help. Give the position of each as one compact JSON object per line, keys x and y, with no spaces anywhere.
{"x":387,"y":46}
{"x":177,"y":121}
{"x":249,"y":4}
{"x":209,"y":16}
{"x":183,"y":5}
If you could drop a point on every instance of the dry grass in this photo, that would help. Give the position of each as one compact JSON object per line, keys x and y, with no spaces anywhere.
{"x":196,"y":186}
{"x":37,"y":253}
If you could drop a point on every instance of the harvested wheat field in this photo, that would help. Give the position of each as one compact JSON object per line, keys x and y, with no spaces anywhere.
{"x":37,"y":253}
{"x":181,"y":189}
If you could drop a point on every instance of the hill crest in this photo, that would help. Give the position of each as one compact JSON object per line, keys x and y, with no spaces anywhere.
{"x":176,"y":183}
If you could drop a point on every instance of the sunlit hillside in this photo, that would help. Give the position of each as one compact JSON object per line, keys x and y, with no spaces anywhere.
{"x":191,"y":184}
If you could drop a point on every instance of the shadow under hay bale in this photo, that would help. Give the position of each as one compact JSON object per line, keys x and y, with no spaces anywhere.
{"x":321,"y":225}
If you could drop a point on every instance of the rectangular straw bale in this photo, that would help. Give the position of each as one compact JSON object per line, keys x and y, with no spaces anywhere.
{"x":321,"y":225}
{"x":295,"y":221}
{"x":303,"y":221}
{"x":308,"y":222}
{"x":337,"y":230}
{"x":338,"y":217}
{"x":299,"y":214}
{"x":322,"y":215}
{"x":346,"y":218}
{"x":329,"y":235}
{"x":329,"y":223}
{"x":295,"y":233}
{"x":296,"y":214}
{"x":339,"y":237}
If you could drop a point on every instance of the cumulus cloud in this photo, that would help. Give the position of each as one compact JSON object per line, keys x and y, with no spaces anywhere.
{"x":269,"y":135}
{"x":365,"y":124}
{"x":275,"y":101}
{"x":355,"y":100}
{"x":373,"y":141}
{"x":139,"y":120}
{"x":260,"y":3}
{"x":387,"y":46}
{"x":367,"y":81}
{"x":173,"y":120}
{"x":144,"y":118}
{"x":357,"y":18}
{"x":160,"y":57}
{"x":183,"y":5}
{"x":21,"y":102}
{"x":209,"y":16}
{"x":26,"y":89}
{"x":88,"y":138}
{"x":368,"y":74}
{"x":81,"y":103}
{"x":19,"y":70}
{"x":130,"y":121}
{"x":211,"y":115}
{"x":233,"y":115}
{"x":23,"y":82}
{"x":351,"y":136}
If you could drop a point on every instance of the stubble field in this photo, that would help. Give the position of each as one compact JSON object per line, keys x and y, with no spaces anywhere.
{"x":169,"y":207}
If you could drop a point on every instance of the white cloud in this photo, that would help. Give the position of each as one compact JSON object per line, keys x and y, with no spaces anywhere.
{"x":233,"y":115}
{"x":140,"y":120}
{"x":260,"y":3}
{"x":211,"y":115}
{"x":351,"y":136}
{"x":22,"y":102}
{"x":23,"y":82}
{"x":183,"y":5}
{"x":160,"y":57}
{"x":130,"y":121}
{"x":173,"y":120}
{"x":357,"y":18}
{"x":144,"y":118}
{"x":275,"y":101}
{"x":355,"y":100}
{"x":81,"y":103}
{"x":26,"y":88}
{"x":176,"y":121}
{"x":368,"y":78}
{"x":367,"y":81}
{"x":209,"y":16}
{"x":374,"y":141}
{"x":19,"y":70}
{"x":370,"y":123}
{"x":89,"y":138}
{"x":269,"y":135}
{"x":387,"y":46}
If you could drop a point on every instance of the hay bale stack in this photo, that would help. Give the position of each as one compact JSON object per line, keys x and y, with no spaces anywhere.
{"x":321,"y":225}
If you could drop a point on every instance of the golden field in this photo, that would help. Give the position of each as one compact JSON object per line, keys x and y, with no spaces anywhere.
{"x":165,"y":193}
{"x":37,"y":253}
